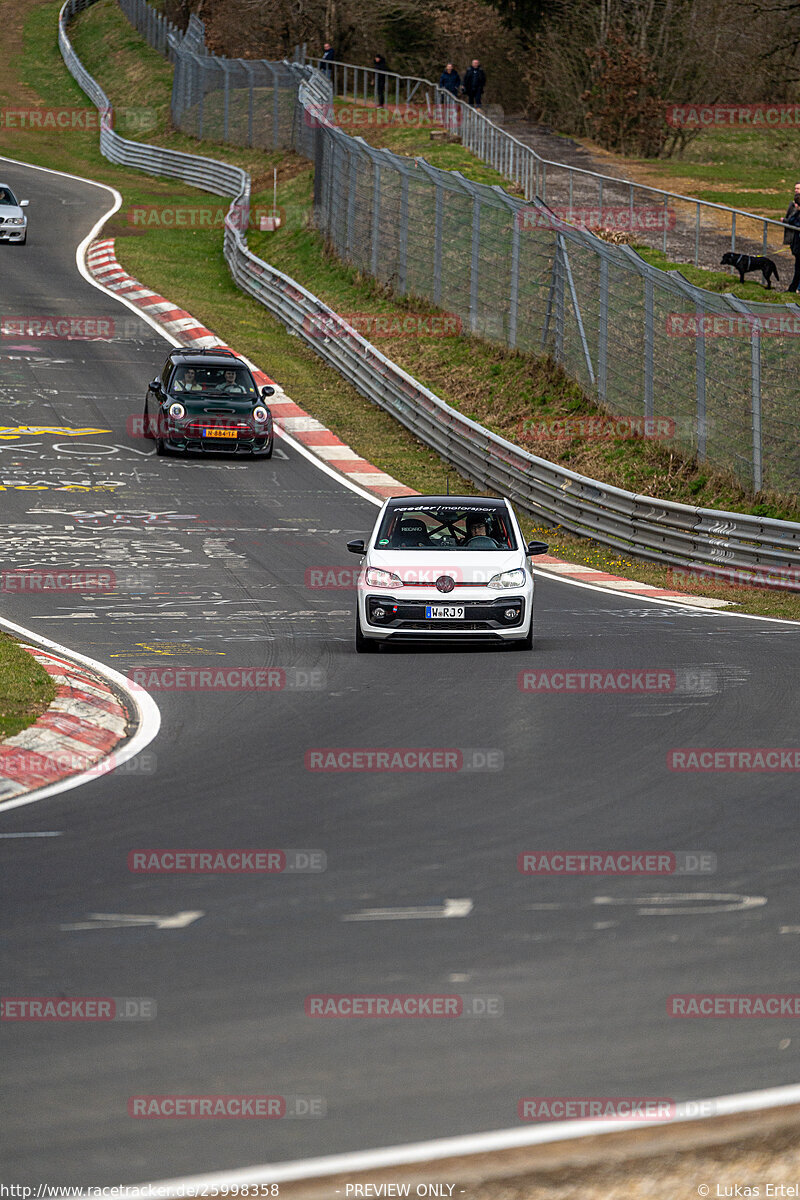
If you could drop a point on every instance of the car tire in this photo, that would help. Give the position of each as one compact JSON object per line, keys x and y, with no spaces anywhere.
{"x":268,"y":452}
{"x":364,"y":645}
{"x":147,"y":431}
{"x":525,"y":643}
{"x":161,"y":447}
{"x":24,"y":240}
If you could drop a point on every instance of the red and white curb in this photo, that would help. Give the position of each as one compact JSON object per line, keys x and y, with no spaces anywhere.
{"x":81,"y":728}
{"x":102,"y":263}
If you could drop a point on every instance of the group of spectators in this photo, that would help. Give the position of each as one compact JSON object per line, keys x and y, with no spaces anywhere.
{"x":471,"y":87}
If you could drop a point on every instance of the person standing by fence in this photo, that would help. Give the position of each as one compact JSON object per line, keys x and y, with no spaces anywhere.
{"x":474,"y":83}
{"x":328,"y":56}
{"x":380,"y":79}
{"x":450,"y":80}
{"x":791,"y":237}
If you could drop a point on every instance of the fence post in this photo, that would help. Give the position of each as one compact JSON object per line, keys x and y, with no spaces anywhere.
{"x":649,"y":344}
{"x":376,"y":214}
{"x":755,"y":389}
{"x":402,"y":257}
{"x":602,"y":332}
{"x":558,"y":269}
{"x":475,"y":262}
{"x":352,"y":185}
{"x":700,"y":367}
{"x":276,"y":110}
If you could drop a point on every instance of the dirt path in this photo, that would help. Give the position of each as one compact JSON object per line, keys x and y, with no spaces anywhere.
{"x":714,"y":238}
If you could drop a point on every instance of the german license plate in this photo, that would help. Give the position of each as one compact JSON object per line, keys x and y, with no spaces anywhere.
{"x":220,"y":433}
{"x":444,"y":611}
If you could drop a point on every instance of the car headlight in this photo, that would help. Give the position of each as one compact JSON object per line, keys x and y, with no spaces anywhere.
{"x":508,"y":579}
{"x":177,"y":411}
{"x":377,"y":578}
{"x":15,"y":220}
{"x":260,"y":413}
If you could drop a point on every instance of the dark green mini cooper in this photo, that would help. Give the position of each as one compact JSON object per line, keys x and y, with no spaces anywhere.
{"x":208,"y":401}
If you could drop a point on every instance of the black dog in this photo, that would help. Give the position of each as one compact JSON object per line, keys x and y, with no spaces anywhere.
{"x":749,"y":262}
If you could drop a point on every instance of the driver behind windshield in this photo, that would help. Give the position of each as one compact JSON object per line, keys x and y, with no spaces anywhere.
{"x":231,"y":383}
{"x":186,"y":381}
{"x":477,"y":527}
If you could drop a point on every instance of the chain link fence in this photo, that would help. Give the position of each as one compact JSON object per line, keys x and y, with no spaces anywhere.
{"x":713,"y":373}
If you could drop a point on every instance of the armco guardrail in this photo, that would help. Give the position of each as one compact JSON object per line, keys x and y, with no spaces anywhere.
{"x":659,"y":530}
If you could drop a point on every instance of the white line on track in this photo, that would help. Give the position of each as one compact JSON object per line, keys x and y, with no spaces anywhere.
{"x":50,"y":833}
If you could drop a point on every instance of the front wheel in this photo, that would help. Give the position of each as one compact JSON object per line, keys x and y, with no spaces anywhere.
{"x":525,"y":643}
{"x":268,"y":452}
{"x":364,"y":645}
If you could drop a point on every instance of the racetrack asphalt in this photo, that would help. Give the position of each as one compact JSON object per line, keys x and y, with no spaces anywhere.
{"x":211,"y":558}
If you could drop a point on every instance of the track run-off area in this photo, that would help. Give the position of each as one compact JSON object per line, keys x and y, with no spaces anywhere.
{"x":215,"y":562}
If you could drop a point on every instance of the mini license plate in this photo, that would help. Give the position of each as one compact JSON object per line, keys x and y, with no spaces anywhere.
{"x":220,"y":433}
{"x":447,"y":611}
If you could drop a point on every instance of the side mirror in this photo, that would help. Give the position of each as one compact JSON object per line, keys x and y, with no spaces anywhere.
{"x":266,"y":392}
{"x":357,"y":547}
{"x":155,"y":384}
{"x":538,"y":547}
{"x":24,"y":203}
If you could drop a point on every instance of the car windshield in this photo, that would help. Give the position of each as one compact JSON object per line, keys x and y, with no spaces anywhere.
{"x":7,"y":198}
{"x":445,"y":527}
{"x":213,"y":381}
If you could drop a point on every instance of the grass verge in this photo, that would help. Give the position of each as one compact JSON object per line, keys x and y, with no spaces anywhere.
{"x":496,"y":386}
{"x":26,"y":689}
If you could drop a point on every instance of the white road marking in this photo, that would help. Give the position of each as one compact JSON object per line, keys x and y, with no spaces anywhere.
{"x":450,"y":908}
{"x":50,"y":833}
{"x":684,"y":903}
{"x":129,"y":921}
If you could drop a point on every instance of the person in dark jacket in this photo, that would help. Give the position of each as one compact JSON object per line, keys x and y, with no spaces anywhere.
{"x":791,"y":237}
{"x":474,"y":83}
{"x":328,"y":57}
{"x":380,"y":79}
{"x":450,"y":80}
